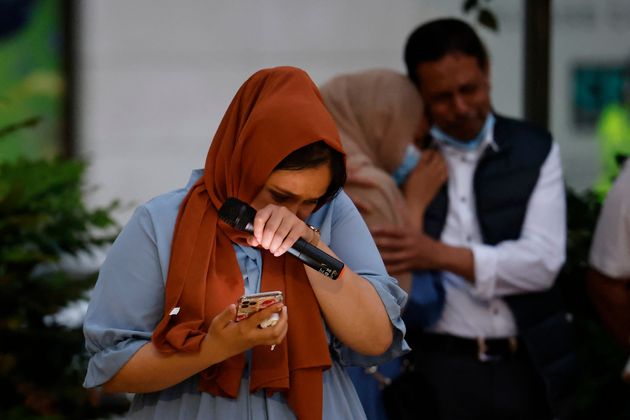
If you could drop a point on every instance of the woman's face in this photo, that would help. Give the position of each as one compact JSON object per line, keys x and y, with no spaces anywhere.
{"x":297,"y":190}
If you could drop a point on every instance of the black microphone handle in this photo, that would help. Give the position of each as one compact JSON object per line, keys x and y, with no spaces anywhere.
{"x":316,"y":259}
{"x":312,"y":256}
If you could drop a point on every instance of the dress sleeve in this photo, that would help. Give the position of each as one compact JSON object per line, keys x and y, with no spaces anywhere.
{"x":127,"y":301}
{"x":350,"y":239}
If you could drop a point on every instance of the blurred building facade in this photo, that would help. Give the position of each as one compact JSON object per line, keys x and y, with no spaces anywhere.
{"x":155,"y":76}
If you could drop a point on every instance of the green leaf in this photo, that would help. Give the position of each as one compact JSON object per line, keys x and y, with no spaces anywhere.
{"x":469,"y":5}
{"x":487,"y":18}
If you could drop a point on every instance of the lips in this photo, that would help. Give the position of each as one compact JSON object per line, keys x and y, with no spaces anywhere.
{"x":466,"y":129}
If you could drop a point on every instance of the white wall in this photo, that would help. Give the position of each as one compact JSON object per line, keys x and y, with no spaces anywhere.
{"x":157,"y":75}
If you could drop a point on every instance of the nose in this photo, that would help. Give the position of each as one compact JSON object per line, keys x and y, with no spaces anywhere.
{"x":304,"y":212}
{"x":460,"y":106}
{"x":293,"y":208}
{"x":300,"y":209}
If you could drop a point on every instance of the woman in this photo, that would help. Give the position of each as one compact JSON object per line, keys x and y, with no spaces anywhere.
{"x":380,"y":118}
{"x":161,"y":319}
{"x":381,"y":123}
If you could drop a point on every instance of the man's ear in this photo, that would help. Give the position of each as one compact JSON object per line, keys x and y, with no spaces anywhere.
{"x":486,"y":72}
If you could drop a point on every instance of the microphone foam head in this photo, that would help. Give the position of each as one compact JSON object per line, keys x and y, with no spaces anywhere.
{"x":237,"y":213}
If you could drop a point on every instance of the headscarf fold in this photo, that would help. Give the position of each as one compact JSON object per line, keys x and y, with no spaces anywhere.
{"x":275,"y":112}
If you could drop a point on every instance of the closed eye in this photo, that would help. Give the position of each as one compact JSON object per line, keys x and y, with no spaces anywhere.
{"x":279,"y":198}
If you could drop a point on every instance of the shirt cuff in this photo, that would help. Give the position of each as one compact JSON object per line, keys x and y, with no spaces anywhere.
{"x":106,"y":363}
{"x":393,"y":298}
{"x":485,"y":258}
{"x":608,"y":266}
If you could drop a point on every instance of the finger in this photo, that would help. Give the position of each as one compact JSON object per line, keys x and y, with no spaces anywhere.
{"x":392,"y":257}
{"x":385,"y":246}
{"x":296,"y":233}
{"x":281,"y":326}
{"x":260,"y":221}
{"x":386,"y":230}
{"x":251,"y":241}
{"x":392,"y":253}
{"x":286,"y":231}
{"x":271,"y":227}
{"x":227,"y":316}
{"x":255,"y":319}
{"x":398,"y":268}
{"x":279,"y":331}
{"x":382,"y":233}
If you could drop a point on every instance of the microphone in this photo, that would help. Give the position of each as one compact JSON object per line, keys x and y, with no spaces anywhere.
{"x":240,"y":216}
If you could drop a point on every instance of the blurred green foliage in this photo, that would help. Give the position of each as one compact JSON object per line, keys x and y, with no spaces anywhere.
{"x":43,"y":220}
{"x":31,"y":78}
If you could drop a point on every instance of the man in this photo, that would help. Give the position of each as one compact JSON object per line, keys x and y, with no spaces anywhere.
{"x":496,"y":236}
{"x":609,"y":277}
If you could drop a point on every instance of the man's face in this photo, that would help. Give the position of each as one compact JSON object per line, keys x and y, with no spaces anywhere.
{"x":456,"y":92}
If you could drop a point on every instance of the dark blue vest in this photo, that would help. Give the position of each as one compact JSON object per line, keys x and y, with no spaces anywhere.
{"x":503,"y":183}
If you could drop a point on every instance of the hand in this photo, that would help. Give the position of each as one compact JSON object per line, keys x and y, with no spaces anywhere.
{"x":405,"y":249}
{"x":423,"y":184}
{"x":232,"y":338}
{"x":276,"y":229}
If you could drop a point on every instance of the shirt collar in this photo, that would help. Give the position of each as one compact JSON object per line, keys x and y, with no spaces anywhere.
{"x":194,"y":176}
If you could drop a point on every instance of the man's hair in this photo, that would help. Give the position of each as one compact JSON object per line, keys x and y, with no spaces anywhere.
{"x":435,"y":39}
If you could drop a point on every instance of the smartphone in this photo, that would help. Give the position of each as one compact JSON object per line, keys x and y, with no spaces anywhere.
{"x":250,"y":304}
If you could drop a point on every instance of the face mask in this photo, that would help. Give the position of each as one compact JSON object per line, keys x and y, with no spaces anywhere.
{"x":473,"y":144}
{"x":409,"y":162}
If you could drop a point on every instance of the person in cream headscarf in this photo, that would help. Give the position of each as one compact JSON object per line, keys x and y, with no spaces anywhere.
{"x":380,"y":119}
{"x":381,"y":122}
{"x":382,"y":126}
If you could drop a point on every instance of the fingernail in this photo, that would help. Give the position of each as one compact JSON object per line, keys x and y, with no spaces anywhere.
{"x":273,"y":347}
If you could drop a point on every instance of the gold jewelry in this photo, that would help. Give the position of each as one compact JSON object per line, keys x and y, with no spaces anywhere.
{"x":315,"y":240}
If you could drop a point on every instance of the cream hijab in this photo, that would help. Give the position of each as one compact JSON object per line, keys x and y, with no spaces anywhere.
{"x":378,"y":113}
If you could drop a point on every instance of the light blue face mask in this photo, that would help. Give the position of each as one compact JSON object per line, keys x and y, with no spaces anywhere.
{"x":408,"y":164}
{"x":449,"y":140}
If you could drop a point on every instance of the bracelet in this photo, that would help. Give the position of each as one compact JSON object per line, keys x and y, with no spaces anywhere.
{"x":315,"y":240}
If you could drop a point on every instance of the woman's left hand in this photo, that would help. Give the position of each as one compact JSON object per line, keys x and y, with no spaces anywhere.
{"x":277,"y":228}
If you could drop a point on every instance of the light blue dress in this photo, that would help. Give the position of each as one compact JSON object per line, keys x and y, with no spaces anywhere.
{"x":127,"y":304}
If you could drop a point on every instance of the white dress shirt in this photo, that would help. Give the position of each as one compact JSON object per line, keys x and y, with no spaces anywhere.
{"x":527,"y":264}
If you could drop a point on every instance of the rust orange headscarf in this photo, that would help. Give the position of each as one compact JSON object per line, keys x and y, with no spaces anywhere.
{"x":274,"y":113}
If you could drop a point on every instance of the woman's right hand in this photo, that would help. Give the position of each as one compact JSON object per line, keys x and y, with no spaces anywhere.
{"x":423,"y":184}
{"x":229,"y":338}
